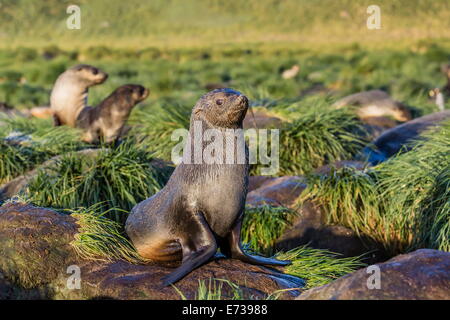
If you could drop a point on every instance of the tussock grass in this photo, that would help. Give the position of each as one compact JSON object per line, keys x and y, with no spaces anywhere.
{"x":14,"y":161}
{"x":316,"y":266}
{"x":100,"y":238}
{"x":119,"y":177}
{"x":348,"y":196}
{"x":317,"y":138}
{"x":25,"y":143}
{"x":402,"y":203}
{"x":263,"y":225}
{"x":213,"y":290}
{"x":415,"y":186}
{"x":157,"y":126}
{"x":436,"y":222}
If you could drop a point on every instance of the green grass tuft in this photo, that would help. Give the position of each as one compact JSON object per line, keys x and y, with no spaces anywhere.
{"x":349,"y":197}
{"x":214,"y":290}
{"x":100,"y":238}
{"x":317,"y":138}
{"x":316,"y":266}
{"x":402,"y":203}
{"x":25,"y":143}
{"x":263,"y":225}
{"x":415,"y":188}
{"x":156,"y":127}
{"x":119,"y":177}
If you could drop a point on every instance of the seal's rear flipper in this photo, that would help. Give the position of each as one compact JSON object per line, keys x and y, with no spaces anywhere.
{"x":196,"y":251}
{"x":236,"y":252}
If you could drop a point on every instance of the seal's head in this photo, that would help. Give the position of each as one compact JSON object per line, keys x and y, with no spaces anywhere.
{"x":224,"y":108}
{"x":445,"y":69}
{"x":434,"y":92}
{"x":88,"y":74}
{"x":130,"y":94}
{"x":401,"y":113}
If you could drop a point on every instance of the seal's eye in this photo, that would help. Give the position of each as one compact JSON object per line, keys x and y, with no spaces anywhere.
{"x":94,"y":71}
{"x":219,"y":102}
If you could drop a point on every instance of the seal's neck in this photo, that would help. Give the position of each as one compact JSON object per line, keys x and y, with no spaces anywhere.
{"x":68,"y":98}
{"x":210,"y":145}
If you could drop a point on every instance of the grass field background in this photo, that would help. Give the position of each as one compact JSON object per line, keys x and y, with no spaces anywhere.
{"x":215,"y":23}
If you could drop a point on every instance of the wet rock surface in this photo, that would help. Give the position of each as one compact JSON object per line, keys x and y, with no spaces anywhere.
{"x":36,"y":252}
{"x":309,"y":227}
{"x":422,"y":274}
{"x":326,"y":169}
{"x":282,"y":191}
{"x":393,"y":140}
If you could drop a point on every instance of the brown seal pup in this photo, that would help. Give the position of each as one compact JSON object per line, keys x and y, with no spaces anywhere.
{"x":202,"y":205}
{"x":106,"y":121}
{"x":375,"y":103}
{"x":69,"y":94}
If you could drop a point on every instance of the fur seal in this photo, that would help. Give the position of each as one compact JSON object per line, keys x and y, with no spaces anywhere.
{"x":398,"y":138}
{"x":375,"y":103}
{"x":69,"y":94}
{"x":201,"y":207}
{"x":440,"y":95}
{"x":106,"y":121}
{"x":290,"y":73}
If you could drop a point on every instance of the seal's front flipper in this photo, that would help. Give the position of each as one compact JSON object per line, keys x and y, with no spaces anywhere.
{"x":236,"y":251}
{"x":196,"y":251}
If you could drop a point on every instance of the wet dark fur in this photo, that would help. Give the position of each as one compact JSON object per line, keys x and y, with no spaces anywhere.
{"x":202,"y":206}
{"x":106,"y":121}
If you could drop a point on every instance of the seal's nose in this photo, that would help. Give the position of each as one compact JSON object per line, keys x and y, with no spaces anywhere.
{"x":243,"y":100}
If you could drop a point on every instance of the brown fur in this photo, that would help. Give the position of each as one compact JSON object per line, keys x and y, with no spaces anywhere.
{"x":106,"y":121}
{"x":70,"y":92}
{"x":375,"y":103}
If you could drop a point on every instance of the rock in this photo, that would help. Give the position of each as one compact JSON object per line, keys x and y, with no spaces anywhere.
{"x":309,"y":227}
{"x":282,"y":191}
{"x":422,"y":274}
{"x":36,"y":253}
{"x":326,"y":169}
{"x":391,"y":141}
{"x":19,"y":183}
{"x":254,"y":182}
{"x":260,"y":119}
